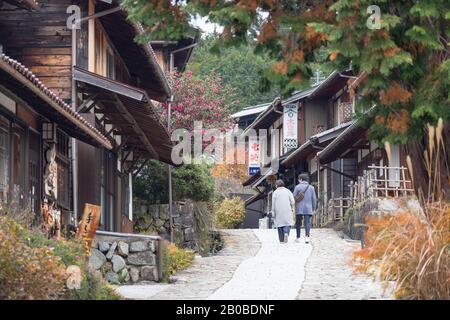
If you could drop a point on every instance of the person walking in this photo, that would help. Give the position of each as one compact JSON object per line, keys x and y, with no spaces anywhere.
{"x":305,"y":204}
{"x":283,"y":204}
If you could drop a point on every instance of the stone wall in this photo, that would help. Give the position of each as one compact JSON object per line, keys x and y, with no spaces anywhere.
{"x":126,"y":259}
{"x":155,"y":218}
{"x":354,"y":223}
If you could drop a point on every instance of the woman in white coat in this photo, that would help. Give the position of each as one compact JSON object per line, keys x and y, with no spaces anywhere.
{"x":282,"y":210}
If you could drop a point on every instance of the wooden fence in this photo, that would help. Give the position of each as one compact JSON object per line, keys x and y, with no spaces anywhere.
{"x":376,"y":182}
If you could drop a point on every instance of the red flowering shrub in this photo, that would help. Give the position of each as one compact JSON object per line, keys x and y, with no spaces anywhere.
{"x":198,"y":100}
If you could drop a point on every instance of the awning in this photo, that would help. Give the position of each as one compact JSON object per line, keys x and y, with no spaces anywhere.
{"x":248,"y":111}
{"x":312,"y":145}
{"x":353,"y":137}
{"x":262,"y":178}
{"x":140,"y":59}
{"x":130,"y":111}
{"x":252,"y":179}
{"x":182,"y":56}
{"x":255,"y":198}
{"x":22,"y":82}
{"x":265,"y":119}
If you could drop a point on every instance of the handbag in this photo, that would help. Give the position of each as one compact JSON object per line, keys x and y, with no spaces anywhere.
{"x":301,"y":195}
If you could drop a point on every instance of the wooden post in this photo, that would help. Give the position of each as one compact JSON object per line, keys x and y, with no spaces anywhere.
{"x":159,"y":259}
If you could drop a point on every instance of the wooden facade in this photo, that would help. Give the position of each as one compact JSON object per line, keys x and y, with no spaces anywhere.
{"x":112,"y":81}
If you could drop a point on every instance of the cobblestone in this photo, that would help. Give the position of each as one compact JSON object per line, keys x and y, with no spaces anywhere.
{"x":329,"y":274}
{"x":253,"y":265}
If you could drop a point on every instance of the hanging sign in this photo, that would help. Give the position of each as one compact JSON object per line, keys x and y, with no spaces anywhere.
{"x":88,"y":224}
{"x":253,"y":156}
{"x":290,"y":116}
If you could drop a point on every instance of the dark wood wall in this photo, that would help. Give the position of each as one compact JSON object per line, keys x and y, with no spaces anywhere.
{"x":41,"y":41}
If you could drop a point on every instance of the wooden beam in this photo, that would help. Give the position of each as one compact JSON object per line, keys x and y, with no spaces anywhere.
{"x":107,"y":84}
{"x":87,"y":105}
{"x":339,"y":172}
{"x":140,"y":168}
{"x":127,"y":115}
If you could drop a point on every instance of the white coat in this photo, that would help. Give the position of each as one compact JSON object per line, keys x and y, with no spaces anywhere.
{"x":282,"y":207}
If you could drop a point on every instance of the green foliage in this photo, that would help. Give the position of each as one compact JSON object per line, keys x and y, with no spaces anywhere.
{"x":189,"y":182}
{"x":239,"y":67}
{"x":27,"y":272}
{"x":93,"y":287}
{"x":175,"y":259}
{"x":230,"y":213}
{"x":406,"y":60}
{"x":34,"y":267}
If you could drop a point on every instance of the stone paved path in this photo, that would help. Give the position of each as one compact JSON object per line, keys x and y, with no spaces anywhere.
{"x":329,"y":275}
{"x":253,"y":265}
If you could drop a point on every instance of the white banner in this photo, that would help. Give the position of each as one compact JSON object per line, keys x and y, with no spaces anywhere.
{"x":253,"y":155}
{"x":290,"y":119}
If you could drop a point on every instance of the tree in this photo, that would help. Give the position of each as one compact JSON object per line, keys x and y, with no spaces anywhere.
{"x":189,"y":182}
{"x":199,"y":99}
{"x":239,"y":67}
{"x":403,"y":52}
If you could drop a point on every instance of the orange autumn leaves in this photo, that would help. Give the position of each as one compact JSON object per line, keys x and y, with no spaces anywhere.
{"x":396,"y":121}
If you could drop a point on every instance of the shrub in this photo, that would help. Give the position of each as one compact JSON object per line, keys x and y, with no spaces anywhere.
{"x":28,"y":272}
{"x":411,"y":249}
{"x":175,"y":259}
{"x":93,"y":287}
{"x":230,"y":213}
{"x":34,"y":267}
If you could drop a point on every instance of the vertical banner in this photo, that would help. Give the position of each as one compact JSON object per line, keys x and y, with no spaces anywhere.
{"x":290,"y":116}
{"x":253,"y":155}
{"x":88,"y":224}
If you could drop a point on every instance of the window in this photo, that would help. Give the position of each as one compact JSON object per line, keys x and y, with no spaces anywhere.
{"x":18,"y":149}
{"x":108,"y":191}
{"x":4,"y":158}
{"x":63,"y":162}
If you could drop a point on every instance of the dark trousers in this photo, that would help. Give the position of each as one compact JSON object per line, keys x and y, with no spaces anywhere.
{"x":282,"y":231}
{"x":307,"y":223}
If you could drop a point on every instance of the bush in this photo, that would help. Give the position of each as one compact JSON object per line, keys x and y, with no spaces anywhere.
{"x":93,"y":287}
{"x":411,"y":249}
{"x":230,"y":213}
{"x":34,"y":267}
{"x":176,"y":259}
{"x":28,"y":272}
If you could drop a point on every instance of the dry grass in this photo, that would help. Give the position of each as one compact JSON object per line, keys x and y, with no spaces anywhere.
{"x":413,"y":248}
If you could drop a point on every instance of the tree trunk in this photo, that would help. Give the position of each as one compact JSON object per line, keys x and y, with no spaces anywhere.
{"x":415,"y":149}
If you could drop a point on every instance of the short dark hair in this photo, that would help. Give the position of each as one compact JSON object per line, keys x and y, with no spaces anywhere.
{"x":303,"y":176}
{"x":279,"y":183}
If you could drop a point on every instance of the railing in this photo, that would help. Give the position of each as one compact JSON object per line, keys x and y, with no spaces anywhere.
{"x":376,"y":182}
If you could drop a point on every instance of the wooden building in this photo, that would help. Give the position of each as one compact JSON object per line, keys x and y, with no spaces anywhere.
{"x":323,"y":112}
{"x":111,"y":80}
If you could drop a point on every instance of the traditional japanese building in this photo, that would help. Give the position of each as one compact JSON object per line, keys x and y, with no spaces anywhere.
{"x":97,"y":69}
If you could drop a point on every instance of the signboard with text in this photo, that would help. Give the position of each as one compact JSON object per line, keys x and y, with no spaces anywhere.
{"x":253,"y":156}
{"x":88,"y":224}
{"x":290,"y":119}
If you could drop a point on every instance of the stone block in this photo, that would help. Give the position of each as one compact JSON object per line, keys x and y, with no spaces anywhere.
{"x":123,"y":249}
{"x":149,"y":273}
{"x":134,"y":274}
{"x":97,"y":259}
{"x":144,"y":258}
{"x":103,"y":246}
{"x":118,"y":263}
{"x":111,"y":250}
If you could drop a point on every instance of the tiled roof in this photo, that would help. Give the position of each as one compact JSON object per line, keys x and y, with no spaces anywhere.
{"x":63,"y":107}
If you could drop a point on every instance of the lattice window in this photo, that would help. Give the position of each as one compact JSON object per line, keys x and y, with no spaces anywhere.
{"x":345,"y":111}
